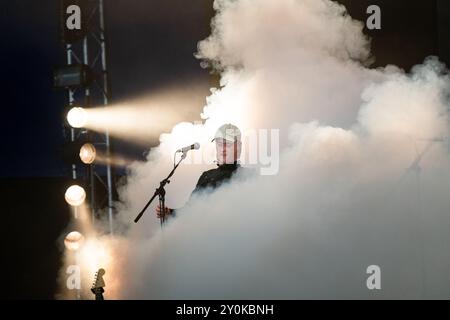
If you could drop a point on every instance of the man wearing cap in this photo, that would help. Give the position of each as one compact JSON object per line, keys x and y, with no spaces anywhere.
{"x":228,"y":151}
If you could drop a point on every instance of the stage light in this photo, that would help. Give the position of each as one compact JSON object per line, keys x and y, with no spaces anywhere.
{"x":88,"y":153}
{"x":72,"y":76}
{"x":75,"y":195}
{"x":73,"y":241}
{"x":77,"y":117}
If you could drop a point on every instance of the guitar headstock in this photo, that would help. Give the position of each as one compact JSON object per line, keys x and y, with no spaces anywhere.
{"x":99,"y":283}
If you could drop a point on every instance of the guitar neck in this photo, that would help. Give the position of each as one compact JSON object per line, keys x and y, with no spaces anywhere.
{"x":99,"y":284}
{"x":98,"y":293}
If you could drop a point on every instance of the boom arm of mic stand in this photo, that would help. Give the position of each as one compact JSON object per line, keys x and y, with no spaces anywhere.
{"x":160,"y":191}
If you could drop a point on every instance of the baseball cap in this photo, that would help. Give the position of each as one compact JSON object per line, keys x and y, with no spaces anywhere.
{"x":228,"y":132}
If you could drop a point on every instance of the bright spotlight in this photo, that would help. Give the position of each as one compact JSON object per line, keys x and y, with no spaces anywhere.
{"x":87,"y":153}
{"x":77,"y":117}
{"x":75,"y":195}
{"x":73,"y":241}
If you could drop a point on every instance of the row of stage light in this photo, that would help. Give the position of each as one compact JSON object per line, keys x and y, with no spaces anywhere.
{"x":75,"y":195}
{"x":76,"y":117}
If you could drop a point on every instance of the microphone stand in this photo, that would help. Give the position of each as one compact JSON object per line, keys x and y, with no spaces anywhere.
{"x":161,"y":193}
{"x":415,"y":167}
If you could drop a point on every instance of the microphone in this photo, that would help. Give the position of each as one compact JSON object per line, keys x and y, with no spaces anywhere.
{"x":191,"y":147}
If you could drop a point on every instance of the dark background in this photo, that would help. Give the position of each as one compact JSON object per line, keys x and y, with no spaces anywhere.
{"x":151,"y":44}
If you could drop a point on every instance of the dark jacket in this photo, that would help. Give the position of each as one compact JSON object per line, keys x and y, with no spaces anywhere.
{"x":213,"y":178}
